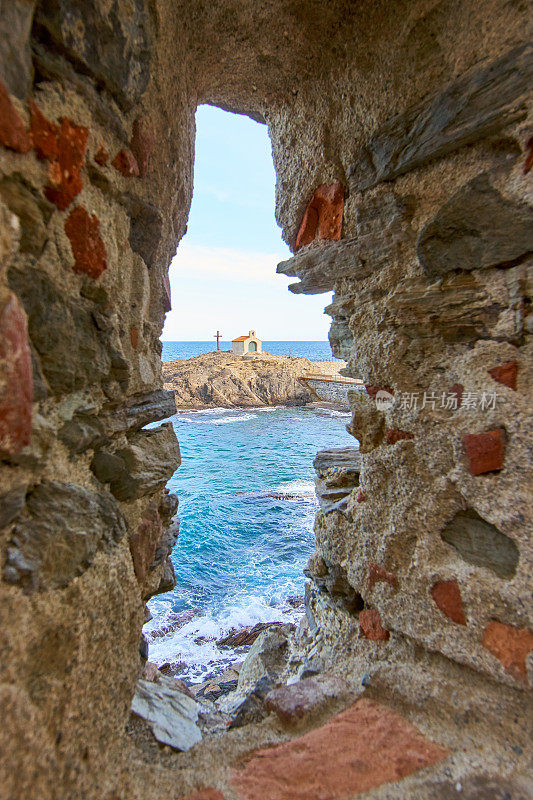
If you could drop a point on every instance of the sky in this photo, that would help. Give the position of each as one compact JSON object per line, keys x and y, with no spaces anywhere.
{"x":223,"y":276}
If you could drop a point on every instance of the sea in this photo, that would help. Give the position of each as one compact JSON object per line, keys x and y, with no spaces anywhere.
{"x":247,"y":508}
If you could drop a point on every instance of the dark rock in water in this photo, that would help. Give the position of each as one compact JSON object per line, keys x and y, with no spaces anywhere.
{"x":172,"y":668}
{"x":215,"y":689}
{"x":247,"y":636}
{"x":174,"y":621}
{"x":252,"y":709}
{"x":296,"y":601}
{"x":59,"y":533}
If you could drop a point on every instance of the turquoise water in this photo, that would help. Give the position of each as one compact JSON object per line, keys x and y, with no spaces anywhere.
{"x":247,"y":507}
{"x":316,"y":351}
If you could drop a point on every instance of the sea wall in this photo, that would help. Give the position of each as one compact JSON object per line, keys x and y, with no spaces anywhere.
{"x":402,"y":146}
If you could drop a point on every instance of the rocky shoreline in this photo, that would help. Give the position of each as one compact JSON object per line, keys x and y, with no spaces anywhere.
{"x":222,"y":380}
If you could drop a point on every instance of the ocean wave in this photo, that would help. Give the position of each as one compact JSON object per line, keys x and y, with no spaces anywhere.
{"x":332,"y":412}
{"x":242,"y":417}
{"x":193,"y":646}
{"x":297,"y":486}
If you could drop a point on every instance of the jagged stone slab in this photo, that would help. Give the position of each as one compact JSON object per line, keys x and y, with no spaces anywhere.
{"x":319,"y":266}
{"x":59,"y":533}
{"x":137,"y":468}
{"x":171,"y":715}
{"x":348,"y":458}
{"x":476,"y":105}
{"x":84,"y":32}
{"x":476,"y":229}
{"x":381,"y":228}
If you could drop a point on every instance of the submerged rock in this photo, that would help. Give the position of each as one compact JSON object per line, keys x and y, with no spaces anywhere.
{"x":171,"y":715}
{"x":246,"y":636}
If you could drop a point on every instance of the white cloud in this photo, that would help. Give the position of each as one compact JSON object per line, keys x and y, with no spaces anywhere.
{"x":218,"y":262}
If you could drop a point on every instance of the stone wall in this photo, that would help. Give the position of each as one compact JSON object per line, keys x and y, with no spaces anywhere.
{"x":402,"y":146}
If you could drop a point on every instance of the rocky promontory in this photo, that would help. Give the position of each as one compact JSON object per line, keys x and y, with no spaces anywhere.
{"x":221,"y":379}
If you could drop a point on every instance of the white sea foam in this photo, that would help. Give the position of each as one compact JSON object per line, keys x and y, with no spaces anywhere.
{"x":194,"y":644}
{"x":332,"y":412}
{"x":240,"y":417}
{"x":296,"y":486}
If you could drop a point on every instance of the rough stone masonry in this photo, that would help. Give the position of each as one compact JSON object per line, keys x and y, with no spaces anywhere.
{"x":402,"y":141}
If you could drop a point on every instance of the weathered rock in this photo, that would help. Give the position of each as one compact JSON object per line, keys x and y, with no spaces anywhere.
{"x":145,"y":463}
{"x":11,"y":504}
{"x":381,"y":228}
{"x":168,"y":578}
{"x":72,"y":350}
{"x":86,"y":430}
{"x":86,"y":34}
{"x":253,"y":709}
{"x":246,"y":636}
{"x":146,"y":227}
{"x":337,"y":475}
{"x":57,"y":537}
{"x":16,"y":69}
{"x":322,"y":764}
{"x":88,"y":249}
{"x":477,"y":104}
{"x":166,"y":543}
{"x":16,"y":379}
{"x":32,"y":210}
{"x":511,"y":646}
{"x":481,"y":543}
{"x":171,"y":715}
{"x":143,"y":542}
{"x":13,"y":133}
{"x":307,"y":697}
{"x":333,"y":578}
{"x":477,"y":228}
{"x":267,"y":656}
{"x":142,"y":143}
